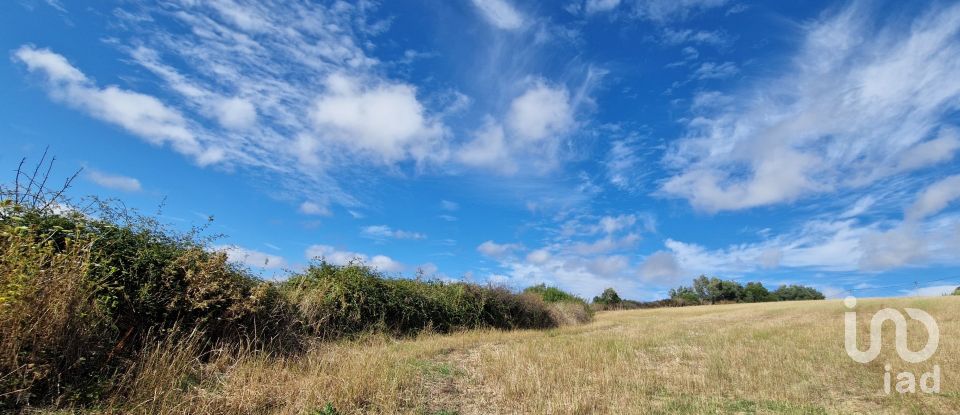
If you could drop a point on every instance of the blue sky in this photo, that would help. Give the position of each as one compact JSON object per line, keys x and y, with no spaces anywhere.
{"x":580,"y":143}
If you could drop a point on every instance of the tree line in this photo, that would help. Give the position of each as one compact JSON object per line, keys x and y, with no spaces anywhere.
{"x":715,"y":290}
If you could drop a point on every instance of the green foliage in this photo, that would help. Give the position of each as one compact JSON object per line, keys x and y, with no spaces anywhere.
{"x":327,"y":409}
{"x":551,"y":294}
{"x":684,"y":296}
{"x":83,"y":296}
{"x":336,"y":300}
{"x":956,"y":291}
{"x":609,"y":297}
{"x":755,"y":292}
{"x":797,"y":293}
{"x":714,"y":290}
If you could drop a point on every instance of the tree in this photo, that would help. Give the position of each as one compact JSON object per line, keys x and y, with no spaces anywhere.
{"x":608,"y":297}
{"x":797,"y":293}
{"x":701,"y":286}
{"x":755,"y":292}
{"x":728,"y":291}
{"x":684,"y":296}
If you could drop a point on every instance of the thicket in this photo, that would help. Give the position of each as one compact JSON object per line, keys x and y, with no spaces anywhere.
{"x":565,"y":308}
{"x":87,"y":296}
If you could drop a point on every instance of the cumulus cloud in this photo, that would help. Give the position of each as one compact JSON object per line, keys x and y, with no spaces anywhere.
{"x":384,"y":119}
{"x":251,"y":257}
{"x":340,"y":257}
{"x":488,"y":149}
{"x":842,"y":116}
{"x":500,"y":13}
{"x":536,"y":122}
{"x":114,"y":181}
{"x":540,"y":112}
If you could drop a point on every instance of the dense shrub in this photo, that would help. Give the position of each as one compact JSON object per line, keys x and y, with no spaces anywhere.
{"x":565,"y":307}
{"x":80,"y":297}
{"x":336,"y":300}
{"x":83,"y":298}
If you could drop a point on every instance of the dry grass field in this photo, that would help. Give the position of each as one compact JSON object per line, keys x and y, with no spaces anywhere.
{"x":745,"y":358}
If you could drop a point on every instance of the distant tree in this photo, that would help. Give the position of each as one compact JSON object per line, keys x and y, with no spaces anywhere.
{"x":755,"y":292}
{"x":797,"y":293}
{"x":609,"y":297}
{"x":701,"y":286}
{"x":684,"y":296}
{"x":956,"y":291}
{"x":727,"y":291}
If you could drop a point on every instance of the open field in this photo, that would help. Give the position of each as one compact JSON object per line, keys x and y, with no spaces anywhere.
{"x":745,"y":358}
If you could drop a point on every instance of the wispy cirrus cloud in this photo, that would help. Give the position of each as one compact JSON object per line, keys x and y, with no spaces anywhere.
{"x":383,"y":232}
{"x":500,"y":13}
{"x":842,"y":115}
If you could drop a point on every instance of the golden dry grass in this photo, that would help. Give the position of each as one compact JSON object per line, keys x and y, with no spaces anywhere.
{"x":745,"y":358}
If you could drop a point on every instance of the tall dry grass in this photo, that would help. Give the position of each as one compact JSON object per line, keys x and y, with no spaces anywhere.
{"x":48,"y":316}
{"x":744,"y":358}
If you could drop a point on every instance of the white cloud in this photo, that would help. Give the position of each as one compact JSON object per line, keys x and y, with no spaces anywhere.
{"x":539,"y":256}
{"x":674,"y":37}
{"x":935,"y":198}
{"x":535,"y":124}
{"x":860,"y":207}
{"x":313,"y":208}
{"x":713,"y":70}
{"x":385,"y":119}
{"x":542,"y":111}
{"x":893,"y":248}
{"x":236,"y":113}
{"x":113,"y":181}
{"x":843,"y":115}
{"x":339,"y":257}
{"x":495,"y":250}
{"x":500,"y":13}
{"x":612,"y":224}
{"x":661,"y":266}
{"x":595,"y":6}
{"x":251,"y":257}
{"x":142,"y":115}
{"x":488,"y":149}
{"x":385,"y":232}
{"x":662,"y":11}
